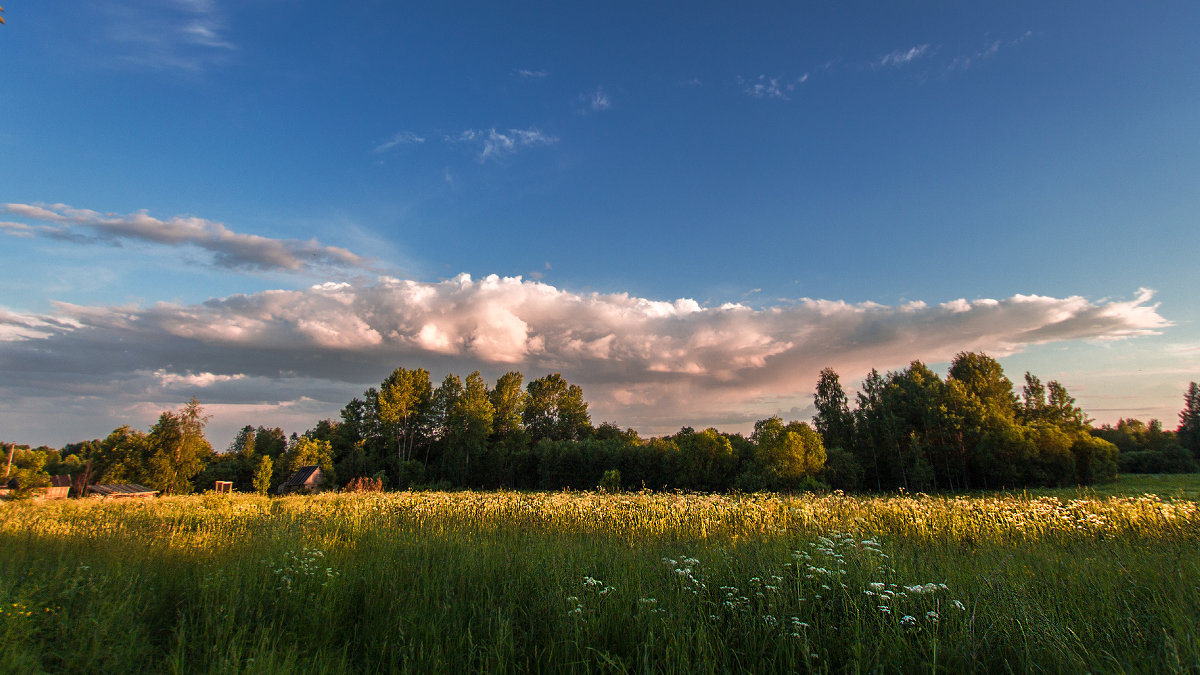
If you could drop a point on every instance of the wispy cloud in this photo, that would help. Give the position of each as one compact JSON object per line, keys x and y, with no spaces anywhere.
{"x":771,"y":87}
{"x":526,"y":74}
{"x":655,"y":364}
{"x":400,"y":138}
{"x":229,"y":249}
{"x":597,"y":100}
{"x":172,"y":35}
{"x":987,"y":51}
{"x":494,"y":144}
{"x":904,"y":56}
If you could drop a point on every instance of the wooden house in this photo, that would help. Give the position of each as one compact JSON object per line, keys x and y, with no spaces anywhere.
{"x":60,"y":487}
{"x":120,"y":491}
{"x":306,"y":479}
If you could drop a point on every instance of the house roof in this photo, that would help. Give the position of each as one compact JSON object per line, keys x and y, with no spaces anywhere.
{"x":62,"y":480}
{"x":121,"y":489}
{"x":302,"y":476}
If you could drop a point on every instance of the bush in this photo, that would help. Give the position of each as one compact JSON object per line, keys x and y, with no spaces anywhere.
{"x":610,"y":482}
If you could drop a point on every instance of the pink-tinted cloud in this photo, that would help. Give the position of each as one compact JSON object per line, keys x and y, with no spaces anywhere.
{"x":651,"y":364}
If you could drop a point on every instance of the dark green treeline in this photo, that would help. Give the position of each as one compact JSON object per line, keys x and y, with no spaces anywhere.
{"x":907,"y":429}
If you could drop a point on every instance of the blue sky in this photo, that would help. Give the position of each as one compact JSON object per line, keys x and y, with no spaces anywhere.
{"x":270,"y":205}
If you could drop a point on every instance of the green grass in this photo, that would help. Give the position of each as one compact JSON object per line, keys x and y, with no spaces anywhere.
{"x":1165,"y":485}
{"x":536,"y":582}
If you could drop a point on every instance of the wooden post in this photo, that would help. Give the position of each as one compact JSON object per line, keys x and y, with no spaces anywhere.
{"x":12,"y":447}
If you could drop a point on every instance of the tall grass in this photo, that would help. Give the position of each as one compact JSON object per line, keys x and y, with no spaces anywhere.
{"x":579,"y":582}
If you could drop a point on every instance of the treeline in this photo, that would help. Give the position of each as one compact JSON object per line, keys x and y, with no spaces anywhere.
{"x":908,"y":429}
{"x":911,"y":429}
{"x":463,"y":433}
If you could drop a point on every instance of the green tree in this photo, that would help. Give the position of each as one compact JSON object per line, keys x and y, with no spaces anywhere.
{"x":508,"y":404}
{"x":471,"y":424}
{"x":1188,"y":432}
{"x":705,"y":460}
{"x":833,"y":420}
{"x":556,"y":410}
{"x":1033,"y":400}
{"x":1061,"y":409}
{"x":787,"y":454}
{"x":983,"y":378}
{"x":402,"y":397}
{"x":262,"y":475}
{"x":178,"y":449}
{"x":122,"y":457}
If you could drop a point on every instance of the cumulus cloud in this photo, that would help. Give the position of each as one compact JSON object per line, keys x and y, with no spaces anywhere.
{"x":229,"y":249}
{"x":647,"y":363}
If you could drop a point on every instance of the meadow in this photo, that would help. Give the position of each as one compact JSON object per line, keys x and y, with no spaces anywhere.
{"x":1059,"y":581}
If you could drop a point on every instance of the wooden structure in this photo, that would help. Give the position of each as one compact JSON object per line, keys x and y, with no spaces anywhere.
{"x":223,"y":487}
{"x":306,"y":479}
{"x":60,"y":487}
{"x":121,"y":491}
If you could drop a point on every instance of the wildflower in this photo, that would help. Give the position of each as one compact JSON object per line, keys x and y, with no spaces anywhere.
{"x":908,"y":620}
{"x":959,"y":606}
{"x":932,"y":616}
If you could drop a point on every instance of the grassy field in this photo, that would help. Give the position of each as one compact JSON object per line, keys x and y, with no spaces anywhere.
{"x":1062,"y":581}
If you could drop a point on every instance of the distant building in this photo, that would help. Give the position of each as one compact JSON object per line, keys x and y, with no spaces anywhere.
{"x":306,"y":479}
{"x":120,"y":491}
{"x":60,"y":487}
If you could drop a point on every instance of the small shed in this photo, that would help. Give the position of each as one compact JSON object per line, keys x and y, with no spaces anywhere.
{"x":306,"y":479}
{"x":121,"y":491}
{"x":60,"y":487}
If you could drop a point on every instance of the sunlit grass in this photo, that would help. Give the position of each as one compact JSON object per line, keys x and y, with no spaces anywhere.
{"x":560,"y":582}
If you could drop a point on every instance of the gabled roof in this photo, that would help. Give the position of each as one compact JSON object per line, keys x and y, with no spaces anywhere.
{"x":121,"y":489}
{"x":301,"y":477}
{"x":62,"y":480}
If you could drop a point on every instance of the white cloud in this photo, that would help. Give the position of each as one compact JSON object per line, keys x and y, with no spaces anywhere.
{"x":178,"y":35}
{"x":497,"y":144}
{"x":652,"y":364}
{"x":987,"y":51}
{"x":202,"y":380}
{"x":597,"y":100}
{"x":229,"y":249}
{"x":400,"y":138}
{"x":771,"y":87}
{"x":904,"y":56}
{"x":526,"y":74}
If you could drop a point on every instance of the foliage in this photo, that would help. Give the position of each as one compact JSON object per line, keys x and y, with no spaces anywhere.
{"x":1188,"y":431}
{"x":262,"y":475}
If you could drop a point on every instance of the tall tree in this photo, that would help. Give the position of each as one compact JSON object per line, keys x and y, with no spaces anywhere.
{"x":178,"y":449}
{"x":401,"y":399}
{"x":508,"y":404}
{"x":1188,"y":431}
{"x":471,"y":424}
{"x":833,"y":419}
{"x":556,"y":410}
{"x":1033,"y":400}
{"x":983,"y":377}
{"x":1061,"y":408}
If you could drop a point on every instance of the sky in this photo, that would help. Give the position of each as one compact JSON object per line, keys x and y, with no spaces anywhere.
{"x":688,"y":209}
